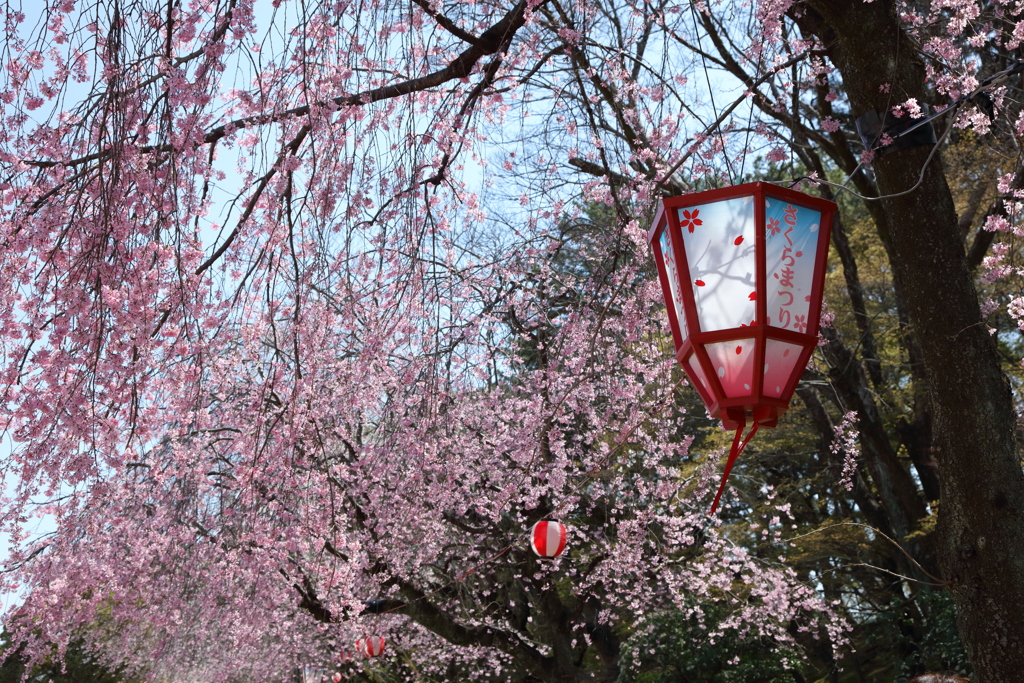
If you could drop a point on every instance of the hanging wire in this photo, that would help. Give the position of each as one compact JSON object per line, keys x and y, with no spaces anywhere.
{"x":920,"y":178}
{"x":992,"y":81}
{"x":711,"y":93}
{"x":750,"y":116}
{"x":728,"y":110}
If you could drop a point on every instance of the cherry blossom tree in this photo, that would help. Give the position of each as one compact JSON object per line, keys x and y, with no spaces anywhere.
{"x":310,"y":316}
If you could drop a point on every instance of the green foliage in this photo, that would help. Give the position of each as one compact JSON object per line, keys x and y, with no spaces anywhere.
{"x":679,"y":649}
{"x":79,"y":665}
{"x":937,"y":646}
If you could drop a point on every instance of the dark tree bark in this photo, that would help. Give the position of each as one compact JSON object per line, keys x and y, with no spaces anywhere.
{"x":981,"y":527}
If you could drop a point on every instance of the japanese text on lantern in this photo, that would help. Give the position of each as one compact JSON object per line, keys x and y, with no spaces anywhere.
{"x":784,"y":274}
{"x":791,"y":245}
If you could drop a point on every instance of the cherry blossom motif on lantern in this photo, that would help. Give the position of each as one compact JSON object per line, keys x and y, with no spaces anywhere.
{"x":547,"y":539}
{"x":690,"y":220}
{"x":757,"y":271}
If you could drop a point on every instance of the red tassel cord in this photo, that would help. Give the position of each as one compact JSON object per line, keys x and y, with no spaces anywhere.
{"x":734,"y":453}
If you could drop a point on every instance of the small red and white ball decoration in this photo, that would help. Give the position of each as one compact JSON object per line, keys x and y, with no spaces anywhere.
{"x":345,"y":657}
{"x":371,"y":646}
{"x":337,"y":677}
{"x":548,"y":539}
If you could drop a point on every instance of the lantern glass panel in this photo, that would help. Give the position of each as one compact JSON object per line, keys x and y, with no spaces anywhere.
{"x":720,"y":251}
{"x":734,"y":363}
{"x":668,"y":255}
{"x":791,"y":247}
{"x":694,"y":369}
{"x":780,"y":359}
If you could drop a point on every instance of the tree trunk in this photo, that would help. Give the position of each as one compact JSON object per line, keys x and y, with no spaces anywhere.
{"x":981,"y":516}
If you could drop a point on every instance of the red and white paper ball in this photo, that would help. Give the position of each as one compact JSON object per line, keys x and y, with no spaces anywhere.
{"x":337,"y":677}
{"x":548,"y":539}
{"x":372,"y":646}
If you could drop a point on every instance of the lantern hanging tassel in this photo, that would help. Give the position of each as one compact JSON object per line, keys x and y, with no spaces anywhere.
{"x":734,"y":453}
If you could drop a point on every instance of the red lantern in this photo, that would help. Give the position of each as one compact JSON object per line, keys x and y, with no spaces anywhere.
{"x":742,"y":269}
{"x":548,"y":539}
{"x":372,"y":646}
{"x":345,"y":657}
{"x":337,"y":677}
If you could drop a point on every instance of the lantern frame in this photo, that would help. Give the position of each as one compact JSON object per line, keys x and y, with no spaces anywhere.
{"x":691,"y":342}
